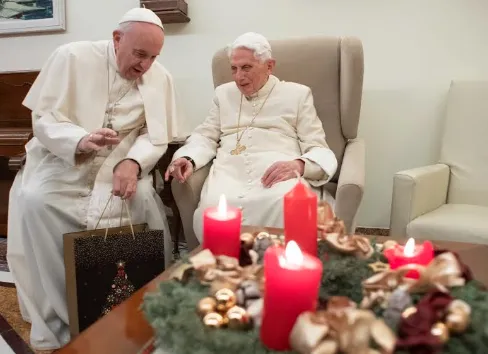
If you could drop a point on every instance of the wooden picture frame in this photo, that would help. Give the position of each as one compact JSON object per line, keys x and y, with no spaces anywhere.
{"x":32,"y":16}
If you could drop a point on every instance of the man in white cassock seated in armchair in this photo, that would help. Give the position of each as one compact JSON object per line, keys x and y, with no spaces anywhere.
{"x":103,"y":114}
{"x":260,"y":133}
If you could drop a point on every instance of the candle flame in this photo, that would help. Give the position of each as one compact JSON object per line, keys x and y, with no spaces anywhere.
{"x":222,"y":209}
{"x":293,"y":254}
{"x":409,"y":249}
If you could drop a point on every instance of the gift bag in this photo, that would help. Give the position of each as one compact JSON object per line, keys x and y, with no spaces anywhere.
{"x":105,"y":266}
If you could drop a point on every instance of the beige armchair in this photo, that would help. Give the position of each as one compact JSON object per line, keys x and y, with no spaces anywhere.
{"x":333,"y":69}
{"x":449,"y":200}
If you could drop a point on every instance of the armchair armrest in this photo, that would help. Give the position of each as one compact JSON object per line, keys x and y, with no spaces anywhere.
{"x":350,"y":187}
{"x":187,"y":197}
{"x":416,"y":192}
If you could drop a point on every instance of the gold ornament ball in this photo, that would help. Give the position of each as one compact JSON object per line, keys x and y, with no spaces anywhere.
{"x":213,"y":320}
{"x":247,"y":239}
{"x":238,"y":318}
{"x":459,"y":306}
{"x":206,"y":306}
{"x":226,"y":299}
{"x":457,"y":321}
{"x":440,"y":331}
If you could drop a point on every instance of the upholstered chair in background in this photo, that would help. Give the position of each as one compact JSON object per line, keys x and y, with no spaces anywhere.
{"x":449,"y":200}
{"x":333,"y":68}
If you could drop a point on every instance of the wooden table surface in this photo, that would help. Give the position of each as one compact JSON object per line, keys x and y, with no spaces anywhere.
{"x":125,"y":330}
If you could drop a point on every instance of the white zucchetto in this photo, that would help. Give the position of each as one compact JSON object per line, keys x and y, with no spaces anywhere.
{"x":140,"y":14}
{"x":252,"y":39}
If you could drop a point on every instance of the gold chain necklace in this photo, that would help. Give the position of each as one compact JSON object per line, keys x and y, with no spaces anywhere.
{"x":239,"y":147}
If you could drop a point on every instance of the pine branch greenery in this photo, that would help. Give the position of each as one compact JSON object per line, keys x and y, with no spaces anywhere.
{"x":171,"y":311}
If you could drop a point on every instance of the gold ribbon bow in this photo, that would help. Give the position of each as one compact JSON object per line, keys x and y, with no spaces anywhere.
{"x":442,"y":273}
{"x":332,"y":230}
{"x":220,"y":271}
{"x":356,"y":245}
{"x":341,"y":328}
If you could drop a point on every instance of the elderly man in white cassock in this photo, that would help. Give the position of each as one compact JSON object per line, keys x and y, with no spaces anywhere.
{"x":103,"y":114}
{"x":260,"y":133}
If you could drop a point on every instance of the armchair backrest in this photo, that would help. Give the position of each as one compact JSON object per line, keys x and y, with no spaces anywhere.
{"x":464,"y":142}
{"x":332,"y":67}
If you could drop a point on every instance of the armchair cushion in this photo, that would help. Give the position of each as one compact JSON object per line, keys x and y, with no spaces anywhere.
{"x":452,"y":222}
{"x":416,"y":192}
{"x":350,"y":187}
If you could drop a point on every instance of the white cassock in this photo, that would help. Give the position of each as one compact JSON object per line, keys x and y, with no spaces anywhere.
{"x":285,"y":128}
{"x":57,"y":191}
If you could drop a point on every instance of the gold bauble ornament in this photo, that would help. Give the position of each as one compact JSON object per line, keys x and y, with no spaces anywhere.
{"x":247,"y":239}
{"x":457,"y":321}
{"x":409,"y":311}
{"x":206,"y":306}
{"x":440,"y":331}
{"x":226,"y":299}
{"x":238,"y":318}
{"x":213,"y":320}
{"x":459,"y":306}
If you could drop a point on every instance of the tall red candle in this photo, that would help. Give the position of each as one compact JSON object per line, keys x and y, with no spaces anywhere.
{"x":222,"y":229}
{"x":410,"y":254}
{"x":292,"y":283}
{"x":300,"y":216}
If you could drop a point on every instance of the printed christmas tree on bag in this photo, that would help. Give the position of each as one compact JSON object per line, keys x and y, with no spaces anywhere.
{"x":121,"y":289}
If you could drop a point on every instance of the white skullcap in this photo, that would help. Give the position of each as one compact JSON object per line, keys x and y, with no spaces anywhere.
{"x":254,"y":41}
{"x":140,"y":14}
{"x":251,"y":39}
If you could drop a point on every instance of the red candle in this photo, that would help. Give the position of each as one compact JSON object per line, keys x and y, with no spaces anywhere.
{"x":300,"y":217}
{"x":222,"y":229}
{"x":291,"y":287}
{"x":410,"y":254}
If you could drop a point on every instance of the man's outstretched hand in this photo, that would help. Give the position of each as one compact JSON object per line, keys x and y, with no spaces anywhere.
{"x":97,"y":140}
{"x":282,"y":171}
{"x":180,"y":169}
{"x":125,"y":179}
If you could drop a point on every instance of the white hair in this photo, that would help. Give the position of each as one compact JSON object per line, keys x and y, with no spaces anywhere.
{"x":252,"y":41}
{"x":125,"y":27}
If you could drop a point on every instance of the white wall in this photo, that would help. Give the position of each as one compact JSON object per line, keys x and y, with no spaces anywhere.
{"x":412,"y":51}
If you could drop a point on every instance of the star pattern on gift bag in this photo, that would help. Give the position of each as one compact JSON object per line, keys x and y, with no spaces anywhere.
{"x":121,"y":289}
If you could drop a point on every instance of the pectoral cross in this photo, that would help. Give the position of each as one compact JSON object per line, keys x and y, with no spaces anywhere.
{"x":239,"y":148}
{"x":110,"y":117}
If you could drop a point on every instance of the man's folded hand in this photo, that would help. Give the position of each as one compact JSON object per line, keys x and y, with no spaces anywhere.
{"x":125,"y":179}
{"x":282,"y":171}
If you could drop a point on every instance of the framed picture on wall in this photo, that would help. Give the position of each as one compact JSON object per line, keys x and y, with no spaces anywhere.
{"x":24,"y":16}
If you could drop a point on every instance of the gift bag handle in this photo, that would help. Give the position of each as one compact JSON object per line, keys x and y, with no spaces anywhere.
{"x":120,"y":223}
